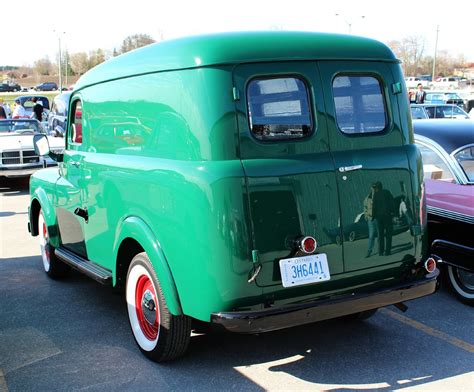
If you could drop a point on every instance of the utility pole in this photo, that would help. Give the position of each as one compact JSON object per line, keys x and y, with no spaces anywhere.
{"x":60,"y":68}
{"x":434,"y":58}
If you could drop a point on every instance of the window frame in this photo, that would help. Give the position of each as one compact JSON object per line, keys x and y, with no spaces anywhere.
{"x":451,"y":163}
{"x":312,"y":117}
{"x":453,"y":156}
{"x":70,"y":141}
{"x":382,"y":86}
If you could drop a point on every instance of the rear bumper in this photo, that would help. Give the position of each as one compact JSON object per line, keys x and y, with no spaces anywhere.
{"x":456,"y":255}
{"x":292,"y":315}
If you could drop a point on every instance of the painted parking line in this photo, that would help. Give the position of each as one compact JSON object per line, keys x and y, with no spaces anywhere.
{"x":430,"y":331}
{"x":3,"y":382}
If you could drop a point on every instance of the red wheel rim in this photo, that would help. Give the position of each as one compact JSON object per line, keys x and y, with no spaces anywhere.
{"x":147,"y":307}
{"x":46,"y":240}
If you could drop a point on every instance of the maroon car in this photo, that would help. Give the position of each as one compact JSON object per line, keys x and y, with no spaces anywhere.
{"x":447,"y":148}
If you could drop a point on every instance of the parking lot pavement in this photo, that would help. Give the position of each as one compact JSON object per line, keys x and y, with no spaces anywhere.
{"x":74,"y":335}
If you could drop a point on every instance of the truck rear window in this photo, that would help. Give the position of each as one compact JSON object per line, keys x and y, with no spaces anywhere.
{"x":279,"y":108}
{"x":359,"y":104}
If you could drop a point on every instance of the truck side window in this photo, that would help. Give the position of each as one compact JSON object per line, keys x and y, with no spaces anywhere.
{"x":359,"y":104}
{"x":76,"y":123}
{"x":279,"y":108}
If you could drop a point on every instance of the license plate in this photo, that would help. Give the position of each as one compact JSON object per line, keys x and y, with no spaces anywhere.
{"x":303,"y":270}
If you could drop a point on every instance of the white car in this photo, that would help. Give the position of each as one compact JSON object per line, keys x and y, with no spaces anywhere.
{"x":412,"y":82}
{"x":17,"y":154}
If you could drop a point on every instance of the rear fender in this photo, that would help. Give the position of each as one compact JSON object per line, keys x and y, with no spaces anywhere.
{"x":135,"y":228}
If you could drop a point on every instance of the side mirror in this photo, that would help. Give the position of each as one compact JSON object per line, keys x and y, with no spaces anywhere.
{"x":59,"y":131}
{"x":41,"y":145}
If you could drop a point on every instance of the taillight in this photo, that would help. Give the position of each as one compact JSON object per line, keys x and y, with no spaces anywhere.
{"x":430,"y":265}
{"x":308,"y":244}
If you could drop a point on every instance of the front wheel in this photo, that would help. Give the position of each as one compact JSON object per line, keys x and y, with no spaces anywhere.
{"x":160,"y":335}
{"x":53,"y":267}
{"x":462,"y":282}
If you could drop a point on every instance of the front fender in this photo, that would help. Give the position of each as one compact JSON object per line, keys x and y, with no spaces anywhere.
{"x":39,"y":200}
{"x":135,"y":228}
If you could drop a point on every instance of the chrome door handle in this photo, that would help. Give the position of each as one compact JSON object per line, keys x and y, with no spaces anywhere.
{"x":344,"y":169}
{"x":75,"y":163}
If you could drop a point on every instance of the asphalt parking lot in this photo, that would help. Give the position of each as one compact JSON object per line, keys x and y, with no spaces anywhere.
{"x":74,"y":335}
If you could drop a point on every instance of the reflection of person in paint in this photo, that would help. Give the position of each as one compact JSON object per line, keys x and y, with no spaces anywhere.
{"x":382,"y":211}
{"x":369,"y":217}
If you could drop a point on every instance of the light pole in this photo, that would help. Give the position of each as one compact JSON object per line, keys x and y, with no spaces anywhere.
{"x":60,"y":59}
{"x":349,"y":22}
{"x":434,"y":58}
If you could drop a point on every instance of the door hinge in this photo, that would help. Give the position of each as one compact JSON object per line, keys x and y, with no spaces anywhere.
{"x":396,"y":88}
{"x":235,"y":93}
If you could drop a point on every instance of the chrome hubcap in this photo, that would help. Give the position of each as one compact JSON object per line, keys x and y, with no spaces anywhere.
{"x":149,"y":307}
{"x":467,"y":279}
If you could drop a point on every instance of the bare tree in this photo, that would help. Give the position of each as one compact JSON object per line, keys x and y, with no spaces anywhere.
{"x":135,"y":41}
{"x":79,"y":62}
{"x":96,"y":57}
{"x":410,"y":51}
{"x":43,"y":67}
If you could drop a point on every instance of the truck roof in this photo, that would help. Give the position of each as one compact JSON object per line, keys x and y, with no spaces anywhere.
{"x":236,"y":48}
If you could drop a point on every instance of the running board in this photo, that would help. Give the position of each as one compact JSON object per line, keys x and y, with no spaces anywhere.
{"x":92,"y":270}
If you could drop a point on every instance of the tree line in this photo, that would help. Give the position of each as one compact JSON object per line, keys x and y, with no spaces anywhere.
{"x":410,"y":50}
{"x":77,"y":63}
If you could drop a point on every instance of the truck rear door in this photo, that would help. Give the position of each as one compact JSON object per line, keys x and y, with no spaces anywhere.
{"x":284,"y":148}
{"x":371,"y":155}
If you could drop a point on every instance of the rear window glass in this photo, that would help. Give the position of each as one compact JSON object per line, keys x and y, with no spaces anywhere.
{"x":279,"y":108}
{"x":359,"y":104}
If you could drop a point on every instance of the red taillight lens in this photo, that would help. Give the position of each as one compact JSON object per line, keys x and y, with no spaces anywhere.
{"x":430,"y":265}
{"x":308,"y":244}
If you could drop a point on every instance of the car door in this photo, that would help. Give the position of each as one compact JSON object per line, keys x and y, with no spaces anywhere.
{"x":370,"y":153}
{"x":290,"y":177}
{"x":70,"y":212}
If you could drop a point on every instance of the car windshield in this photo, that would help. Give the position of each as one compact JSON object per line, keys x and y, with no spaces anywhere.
{"x":20,"y":126}
{"x":465,"y":157}
{"x":452,"y":96}
{"x":418,"y":113}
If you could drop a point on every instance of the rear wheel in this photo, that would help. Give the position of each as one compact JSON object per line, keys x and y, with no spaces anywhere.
{"x":160,"y":335}
{"x":51,"y":264}
{"x":360,"y":316}
{"x":462,"y":282}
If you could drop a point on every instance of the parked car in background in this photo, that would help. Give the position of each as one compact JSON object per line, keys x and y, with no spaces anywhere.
{"x":17,"y":155}
{"x":412,"y":82}
{"x":58,"y":114}
{"x":450,"y":83}
{"x":447,"y":148}
{"x":48,"y":86}
{"x":428,"y":111}
{"x":441,"y":97}
{"x":27,"y":102}
{"x":6,"y":87}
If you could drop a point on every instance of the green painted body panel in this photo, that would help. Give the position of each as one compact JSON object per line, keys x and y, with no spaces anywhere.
{"x":167,"y":159}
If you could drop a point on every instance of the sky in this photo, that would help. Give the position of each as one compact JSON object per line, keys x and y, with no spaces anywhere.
{"x":91,"y":24}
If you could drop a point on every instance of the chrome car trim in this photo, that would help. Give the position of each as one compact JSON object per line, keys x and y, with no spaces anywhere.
{"x":451,"y":214}
{"x":452,"y":163}
{"x":454,"y":158}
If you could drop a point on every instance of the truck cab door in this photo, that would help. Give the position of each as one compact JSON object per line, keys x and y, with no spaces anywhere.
{"x":369,"y":148}
{"x":71,"y":214}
